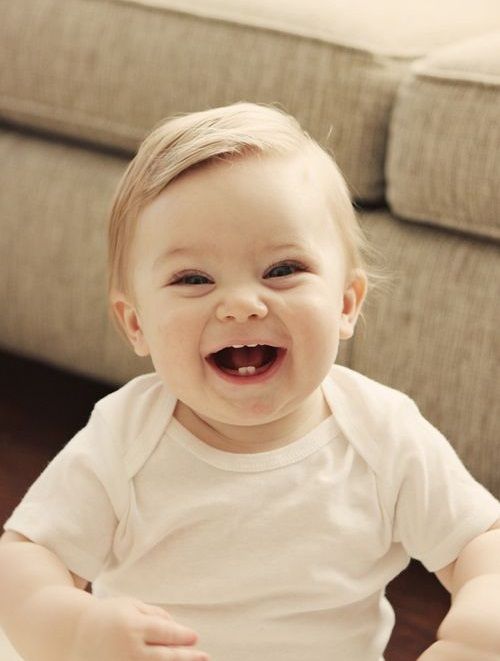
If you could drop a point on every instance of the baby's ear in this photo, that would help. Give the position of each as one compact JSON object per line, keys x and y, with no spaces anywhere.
{"x":129,"y":322}
{"x":354,"y":295}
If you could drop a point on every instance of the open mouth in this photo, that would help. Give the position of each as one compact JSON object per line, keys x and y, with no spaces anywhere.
{"x":246,"y":360}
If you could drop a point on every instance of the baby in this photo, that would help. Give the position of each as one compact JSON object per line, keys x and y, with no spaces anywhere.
{"x":249,"y":500}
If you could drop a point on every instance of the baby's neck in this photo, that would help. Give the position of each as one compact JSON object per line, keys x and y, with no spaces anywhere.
{"x":257,"y":438}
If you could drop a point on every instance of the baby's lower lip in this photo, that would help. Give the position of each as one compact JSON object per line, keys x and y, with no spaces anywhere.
{"x":259,"y":376}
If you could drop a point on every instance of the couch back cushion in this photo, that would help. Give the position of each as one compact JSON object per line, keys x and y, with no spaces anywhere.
{"x":443,"y":162}
{"x":106,"y":71}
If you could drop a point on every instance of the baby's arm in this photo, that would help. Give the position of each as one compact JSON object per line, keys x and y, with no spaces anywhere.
{"x":49,"y":618}
{"x":471,"y":629}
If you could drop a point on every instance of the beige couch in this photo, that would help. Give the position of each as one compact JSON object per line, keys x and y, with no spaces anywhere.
{"x":406,"y":94}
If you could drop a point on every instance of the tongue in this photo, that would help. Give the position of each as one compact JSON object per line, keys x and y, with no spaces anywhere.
{"x":247,"y":356}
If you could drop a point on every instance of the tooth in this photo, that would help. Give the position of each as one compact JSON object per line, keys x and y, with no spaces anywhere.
{"x":245,"y":371}
{"x":238,"y":346}
{"x":252,"y":345}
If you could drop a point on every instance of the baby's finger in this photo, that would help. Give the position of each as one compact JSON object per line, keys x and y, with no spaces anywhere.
{"x":174,"y":654}
{"x":163,"y":632}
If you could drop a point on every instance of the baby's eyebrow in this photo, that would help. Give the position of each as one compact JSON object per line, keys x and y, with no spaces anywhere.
{"x":174,"y":252}
{"x":192,"y":251}
{"x":285,"y":246}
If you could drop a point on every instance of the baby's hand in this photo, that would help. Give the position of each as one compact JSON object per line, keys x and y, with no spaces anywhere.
{"x":123,"y":629}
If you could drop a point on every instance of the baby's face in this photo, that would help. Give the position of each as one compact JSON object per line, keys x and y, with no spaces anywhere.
{"x":241,"y":288}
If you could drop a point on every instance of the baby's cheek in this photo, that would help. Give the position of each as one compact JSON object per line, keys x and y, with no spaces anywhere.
{"x":324,"y":311}
{"x":322,"y":330}
{"x":175,"y":328}
{"x":173,"y":344}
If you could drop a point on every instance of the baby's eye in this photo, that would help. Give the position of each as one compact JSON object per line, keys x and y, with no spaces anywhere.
{"x":190,"y":279}
{"x":283,"y":269}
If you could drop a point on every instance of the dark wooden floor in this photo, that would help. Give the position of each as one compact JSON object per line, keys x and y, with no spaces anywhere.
{"x":42,"y":407}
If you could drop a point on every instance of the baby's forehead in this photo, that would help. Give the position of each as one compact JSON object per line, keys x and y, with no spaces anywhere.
{"x":295,"y":186}
{"x":273,"y":180}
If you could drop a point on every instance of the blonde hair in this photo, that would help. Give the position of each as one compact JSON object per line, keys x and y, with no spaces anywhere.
{"x":191,"y":140}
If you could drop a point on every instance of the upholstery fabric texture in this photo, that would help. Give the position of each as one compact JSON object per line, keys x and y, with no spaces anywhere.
{"x":398,"y":28}
{"x":444,"y":149}
{"x":106,"y":71}
{"x":59,"y":314}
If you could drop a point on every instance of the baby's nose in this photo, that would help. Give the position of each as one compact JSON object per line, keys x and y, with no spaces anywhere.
{"x":241,"y":306}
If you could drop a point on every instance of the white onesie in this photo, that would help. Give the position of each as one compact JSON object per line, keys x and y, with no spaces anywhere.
{"x":272,"y":556}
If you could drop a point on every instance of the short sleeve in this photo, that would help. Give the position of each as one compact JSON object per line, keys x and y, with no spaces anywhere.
{"x":72,"y":508}
{"x":439,"y":506}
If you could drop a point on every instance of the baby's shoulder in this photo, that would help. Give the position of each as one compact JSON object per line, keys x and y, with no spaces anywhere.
{"x":368,"y":397}
{"x":137,"y":395}
{"x":378,"y":420}
{"x":134,"y":417}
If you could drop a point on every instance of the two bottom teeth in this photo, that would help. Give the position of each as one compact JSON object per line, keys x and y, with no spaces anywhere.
{"x":244,"y":371}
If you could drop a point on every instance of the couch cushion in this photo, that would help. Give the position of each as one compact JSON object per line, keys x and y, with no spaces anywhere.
{"x":444,"y":149}
{"x":53,"y":255}
{"x":108,"y":70}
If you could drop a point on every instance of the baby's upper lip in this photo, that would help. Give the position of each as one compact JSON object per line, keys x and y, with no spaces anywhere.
{"x":245,"y":342}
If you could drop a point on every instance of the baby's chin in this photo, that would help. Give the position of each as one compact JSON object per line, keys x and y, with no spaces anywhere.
{"x":235,"y":415}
